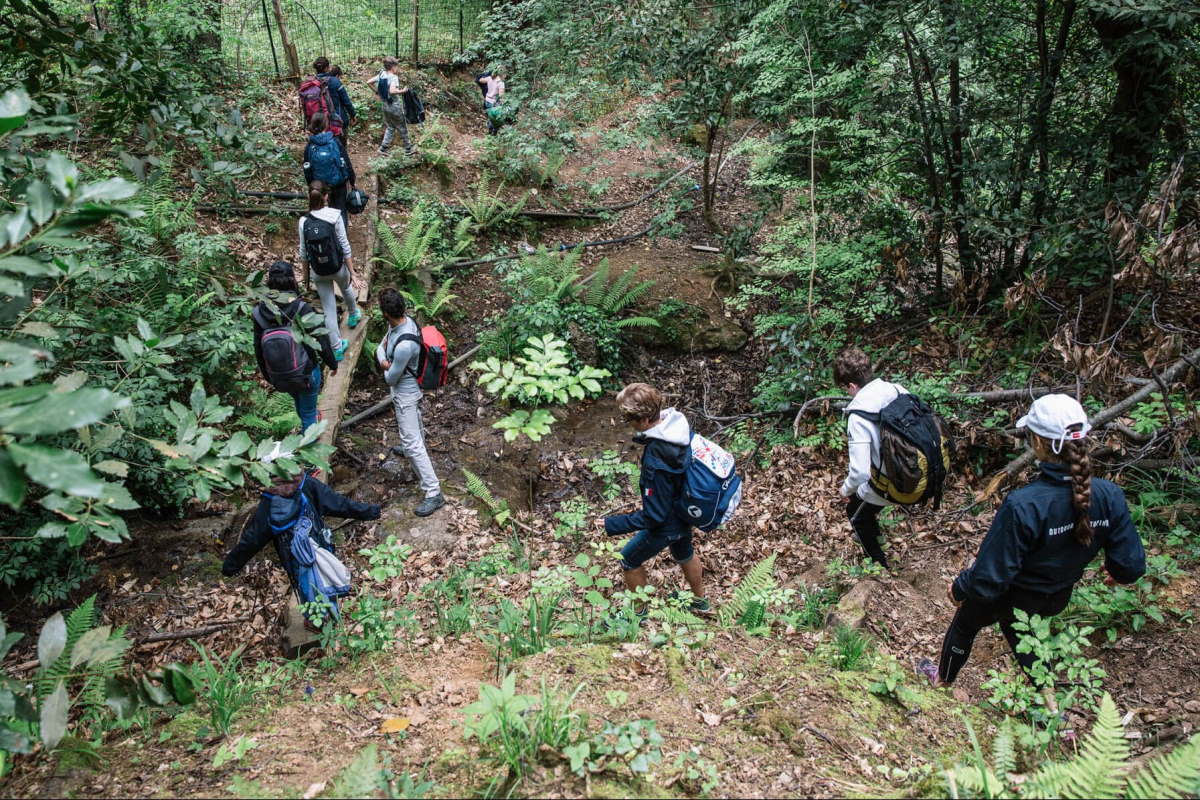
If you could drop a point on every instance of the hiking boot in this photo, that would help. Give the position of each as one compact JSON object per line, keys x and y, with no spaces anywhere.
{"x":339,"y":352}
{"x":927,"y":669}
{"x":383,"y":151}
{"x":430,"y":505}
{"x":353,"y":320}
{"x":410,"y":152}
{"x":701,"y":607}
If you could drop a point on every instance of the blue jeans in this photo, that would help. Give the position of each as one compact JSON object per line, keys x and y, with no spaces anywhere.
{"x":645,"y":545}
{"x":306,"y":402}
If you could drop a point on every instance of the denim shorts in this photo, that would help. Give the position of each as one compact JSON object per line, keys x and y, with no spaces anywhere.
{"x":645,"y":545}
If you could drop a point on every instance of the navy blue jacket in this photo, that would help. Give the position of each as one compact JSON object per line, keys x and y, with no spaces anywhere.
{"x":661,"y":483}
{"x":342,"y":106}
{"x":281,"y":509}
{"x":1031,"y":543}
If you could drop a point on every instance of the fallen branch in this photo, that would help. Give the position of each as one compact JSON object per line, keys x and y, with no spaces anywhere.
{"x":1101,"y":419}
{"x":190,"y":633}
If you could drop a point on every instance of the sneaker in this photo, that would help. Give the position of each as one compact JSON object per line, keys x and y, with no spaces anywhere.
{"x":412,"y":151}
{"x":339,"y":352}
{"x":701,"y":607}
{"x":383,"y":151}
{"x":353,"y":320}
{"x":430,"y":505}
{"x":927,"y":669}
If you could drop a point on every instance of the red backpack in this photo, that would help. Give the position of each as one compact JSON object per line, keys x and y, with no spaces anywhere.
{"x":433,"y":364}
{"x":314,"y":97}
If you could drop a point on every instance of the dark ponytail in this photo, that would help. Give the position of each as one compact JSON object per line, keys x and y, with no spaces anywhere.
{"x":317,"y":192}
{"x":1075,"y":456}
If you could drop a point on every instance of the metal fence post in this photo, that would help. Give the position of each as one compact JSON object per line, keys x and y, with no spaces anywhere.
{"x":396,"y":25}
{"x":270,"y":37}
{"x":416,"y":42}
{"x":461,"y":45}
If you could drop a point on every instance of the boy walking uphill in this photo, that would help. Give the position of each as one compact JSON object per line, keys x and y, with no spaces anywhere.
{"x":398,"y":354}
{"x":387,"y":86}
{"x":852,"y":371}
{"x":666,"y":435}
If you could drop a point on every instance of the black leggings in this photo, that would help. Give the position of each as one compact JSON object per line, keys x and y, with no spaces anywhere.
{"x":864,"y":519}
{"x":973,"y":616}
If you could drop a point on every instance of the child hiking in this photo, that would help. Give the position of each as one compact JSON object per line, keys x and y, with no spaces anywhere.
{"x":325,"y":160}
{"x":1041,"y":539}
{"x":491,"y":84}
{"x":852,"y":371}
{"x":386,"y":86}
{"x":666,"y":436}
{"x":399,"y":354}
{"x":287,"y":363}
{"x":325,"y":251}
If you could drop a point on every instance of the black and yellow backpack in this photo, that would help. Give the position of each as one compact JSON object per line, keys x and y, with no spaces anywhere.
{"x":914,"y":453}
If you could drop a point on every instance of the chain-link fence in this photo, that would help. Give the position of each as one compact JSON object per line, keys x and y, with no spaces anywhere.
{"x":420,"y":31}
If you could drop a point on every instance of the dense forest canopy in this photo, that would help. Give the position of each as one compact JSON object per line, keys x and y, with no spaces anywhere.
{"x":993,"y":198}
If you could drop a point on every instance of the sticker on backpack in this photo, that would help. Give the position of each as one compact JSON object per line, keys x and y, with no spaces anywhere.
{"x":712,"y":488}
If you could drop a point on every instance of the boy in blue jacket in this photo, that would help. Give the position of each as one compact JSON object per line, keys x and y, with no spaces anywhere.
{"x":1041,"y":540}
{"x":666,"y":435}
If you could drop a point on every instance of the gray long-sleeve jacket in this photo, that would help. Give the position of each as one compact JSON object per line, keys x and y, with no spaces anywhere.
{"x":401,"y":376}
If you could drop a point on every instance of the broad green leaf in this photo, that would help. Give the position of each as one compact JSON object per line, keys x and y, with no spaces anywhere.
{"x":115,"y":496}
{"x":88,"y":644}
{"x":40,"y":330}
{"x":7,"y":640}
{"x":11,"y":740}
{"x":180,"y":682}
{"x":117,"y":468}
{"x":64,"y":470}
{"x":63,"y":173}
{"x":237,"y":444}
{"x":76,"y":534}
{"x":19,"y":363}
{"x":52,"y":530}
{"x":17,"y":225}
{"x":52,"y":640}
{"x":121,"y":696}
{"x":64,"y":411}
{"x":41,"y":202}
{"x":14,"y":106}
{"x":54,"y":717}
{"x":71,"y":381}
{"x":12,"y":481}
{"x":25,"y":265}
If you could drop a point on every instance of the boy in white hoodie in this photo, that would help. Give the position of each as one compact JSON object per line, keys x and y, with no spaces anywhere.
{"x":667,"y":436}
{"x":852,"y":371}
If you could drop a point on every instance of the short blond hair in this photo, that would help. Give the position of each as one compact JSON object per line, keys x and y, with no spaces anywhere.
{"x":640,"y":401}
{"x":390,"y":61}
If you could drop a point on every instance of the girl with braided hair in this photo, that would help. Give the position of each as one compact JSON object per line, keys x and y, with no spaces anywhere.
{"x":1041,"y":540}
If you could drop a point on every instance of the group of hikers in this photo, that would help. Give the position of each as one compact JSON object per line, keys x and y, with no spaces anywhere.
{"x":1040,"y":541}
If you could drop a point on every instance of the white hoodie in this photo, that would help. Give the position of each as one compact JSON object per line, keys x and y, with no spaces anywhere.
{"x":672,"y":427}
{"x":864,"y":438}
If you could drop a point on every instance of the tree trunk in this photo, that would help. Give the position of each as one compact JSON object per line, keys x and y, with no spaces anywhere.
{"x":935,"y":184}
{"x":959,"y":130}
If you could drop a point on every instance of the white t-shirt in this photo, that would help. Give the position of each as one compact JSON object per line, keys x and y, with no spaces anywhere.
{"x":495,"y":88}
{"x":386,"y":78}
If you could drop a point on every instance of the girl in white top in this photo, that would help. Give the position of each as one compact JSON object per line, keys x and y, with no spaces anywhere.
{"x":318,"y":197}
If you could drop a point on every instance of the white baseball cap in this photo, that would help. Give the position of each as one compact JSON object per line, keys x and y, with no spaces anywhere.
{"x":1051,"y":416}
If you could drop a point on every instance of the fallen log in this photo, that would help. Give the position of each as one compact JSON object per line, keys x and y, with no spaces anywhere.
{"x":190,"y":633}
{"x":1100,"y":420}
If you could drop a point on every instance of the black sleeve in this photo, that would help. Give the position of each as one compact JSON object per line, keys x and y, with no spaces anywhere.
{"x":326,"y":348}
{"x":1124,"y":555}
{"x":307,"y":169}
{"x":332,"y":504}
{"x":258,"y":354}
{"x":255,"y":537}
{"x":657,"y":505}
{"x":1000,"y":558}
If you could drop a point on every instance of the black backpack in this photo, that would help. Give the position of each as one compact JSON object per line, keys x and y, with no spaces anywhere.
{"x":913,"y":452}
{"x":288,"y":367}
{"x":321,"y":248}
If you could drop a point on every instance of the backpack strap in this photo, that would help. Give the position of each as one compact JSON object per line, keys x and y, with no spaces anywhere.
{"x":405,"y":337}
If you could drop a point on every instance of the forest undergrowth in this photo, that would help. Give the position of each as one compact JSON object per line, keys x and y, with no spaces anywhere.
{"x":782,"y":204}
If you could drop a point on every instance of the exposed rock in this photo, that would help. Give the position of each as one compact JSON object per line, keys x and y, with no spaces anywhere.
{"x":423,"y":533}
{"x":851,"y":610}
{"x":298,"y":638}
{"x":719,"y":335}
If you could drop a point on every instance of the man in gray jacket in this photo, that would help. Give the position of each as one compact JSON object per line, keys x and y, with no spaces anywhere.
{"x":398,"y":354}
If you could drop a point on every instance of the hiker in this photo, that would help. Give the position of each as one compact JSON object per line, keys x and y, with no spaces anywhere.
{"x":325,"y":251}
{"x":399,"y":354}
{"x":666,"y":436}
{"x":386,"y":85}
{"x":325,"y":160}
{"x":278,"y":519}
{"x":492,"y":85}
{"x":1041,"y":539}
{"x":852,"y":371}
{"x":343,"y":106}
{"x":287,"y":363}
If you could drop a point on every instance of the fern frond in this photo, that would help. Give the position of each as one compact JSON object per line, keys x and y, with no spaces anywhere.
{"x":1004,"y":752}
{"x":637,"y":322}
{"x":1176,"y":774}
{"x":79,"y":622}
{"x":360,"y":778}
{"x":441,"y":298}
{"x":1098,"y":769}
{"x":971,"y":779}
{"x":611,"y":303}
{"x":632,"y":296}
{"x":598,"y":286}
{"x":480,"y":491}
{"x":757,"y":581}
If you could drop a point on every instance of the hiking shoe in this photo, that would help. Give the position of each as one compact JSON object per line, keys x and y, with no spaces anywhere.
{"x":383,"y":151}
{"x":339,"y":352}
{"x":353,"y":320}
{"x":927,"y":669}
{"x":701,"y":607}
{"x":410,"y":152}
{"x":430,"y":505}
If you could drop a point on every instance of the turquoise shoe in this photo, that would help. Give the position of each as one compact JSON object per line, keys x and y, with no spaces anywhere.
{"x":353,"y":320}
{"x":340,"y":352}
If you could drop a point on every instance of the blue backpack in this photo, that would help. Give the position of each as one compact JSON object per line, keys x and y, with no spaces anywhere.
{"x":326,"y":162}
{"x":316,"y":573}
{"x":712,"y":489}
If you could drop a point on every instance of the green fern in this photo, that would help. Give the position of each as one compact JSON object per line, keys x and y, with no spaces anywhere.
{"x":406,"y":255}
{"x":479,"y":490}
{"x":271,"y":413}
{"x":598,"y":286}
{"x":362,"y":777}
{"x":754,"y":616}
{"x":79,"y":622}
{"x":421,"y":302}
{"x":487,"y":210}
{"x":1099,"y":769}
{"x":758,"y":581}
{"x":637,"y":322}
{"x":613,"y":298}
